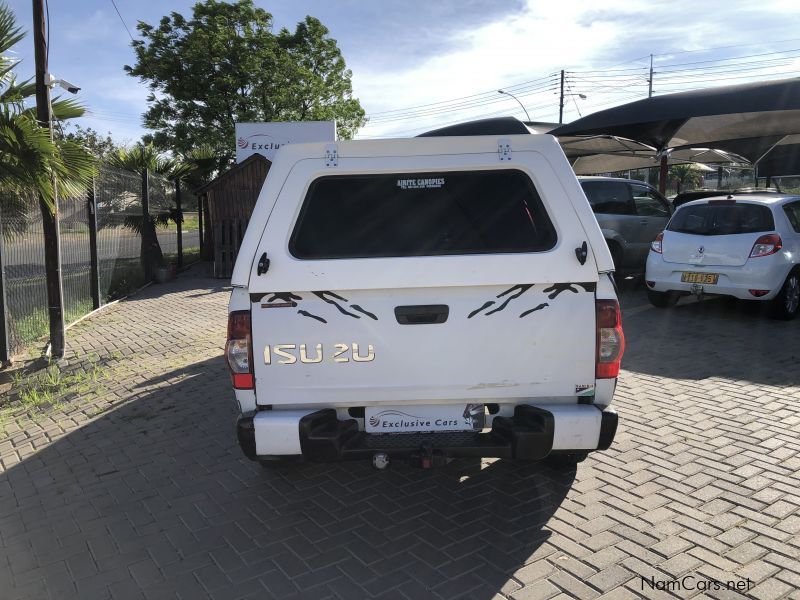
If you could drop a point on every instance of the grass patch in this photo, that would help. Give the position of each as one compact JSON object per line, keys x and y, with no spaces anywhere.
{"x":28,"y":328}
{"x":190,"y":223}
{"x":190,"y":255}
{"x":50,"y":389}
{"x":34,"y":324}
{"x":126,"y":277}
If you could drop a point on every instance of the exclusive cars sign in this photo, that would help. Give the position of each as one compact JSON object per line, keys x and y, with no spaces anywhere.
{"x":266,"y":138}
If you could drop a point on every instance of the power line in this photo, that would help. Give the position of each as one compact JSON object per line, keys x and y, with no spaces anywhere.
{"x":494,"y":99}
{"x":725,"y":47}
{"x":124,"y":24}
{"x":526,"y":85}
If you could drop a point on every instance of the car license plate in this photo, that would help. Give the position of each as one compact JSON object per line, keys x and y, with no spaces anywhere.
{"x":706,"y":278}
{"x":408,"y":419}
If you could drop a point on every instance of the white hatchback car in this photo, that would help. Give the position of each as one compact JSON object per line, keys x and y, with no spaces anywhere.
{"x":746,"y":247}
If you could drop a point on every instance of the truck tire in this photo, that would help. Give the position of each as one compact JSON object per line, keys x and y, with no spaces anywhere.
{"x":785,"y":305}
{"x":662,"y":299}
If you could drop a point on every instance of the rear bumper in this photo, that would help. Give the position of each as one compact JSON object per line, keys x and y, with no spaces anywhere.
{"x":532,"y":433}
{"x":763,"y":273}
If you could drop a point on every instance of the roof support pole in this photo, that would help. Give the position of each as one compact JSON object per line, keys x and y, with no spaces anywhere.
{"x":662,"y":174}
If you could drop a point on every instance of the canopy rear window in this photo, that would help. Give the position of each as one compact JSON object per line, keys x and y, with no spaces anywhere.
{"x":722,"y":218}
{"x":421,"y":214}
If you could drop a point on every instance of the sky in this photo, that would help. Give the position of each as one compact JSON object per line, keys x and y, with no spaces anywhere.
{"x":419,"y":64}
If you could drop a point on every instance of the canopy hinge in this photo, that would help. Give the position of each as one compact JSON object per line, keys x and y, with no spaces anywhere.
{"x":331,"y":155}
{"x":504,"y":149}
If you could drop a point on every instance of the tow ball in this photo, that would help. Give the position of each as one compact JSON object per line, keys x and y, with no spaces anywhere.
{"x":380,"y":460}
{"x":697,"y":290}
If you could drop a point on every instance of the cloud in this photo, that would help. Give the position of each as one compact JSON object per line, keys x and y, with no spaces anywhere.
{"x":100,"y":25}
{"x":542,"y":39}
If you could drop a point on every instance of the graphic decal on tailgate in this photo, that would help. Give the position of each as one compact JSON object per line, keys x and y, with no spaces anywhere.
{"x":557,"y":288}
{"x":519,"y":289}
{"x":281,"y":300}
{"x":540,"y":307}
{"x":305,"y":313}
{"x":324,"y":296}
{"x":290,"y":300}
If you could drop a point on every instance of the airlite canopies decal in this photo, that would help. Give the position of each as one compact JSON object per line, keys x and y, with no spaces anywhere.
{"x":420,"y":184}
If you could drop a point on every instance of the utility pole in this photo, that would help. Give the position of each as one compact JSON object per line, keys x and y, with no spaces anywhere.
{"x":561,"y":100}
{"x":650,"y":81}
{"x":52,"y":252}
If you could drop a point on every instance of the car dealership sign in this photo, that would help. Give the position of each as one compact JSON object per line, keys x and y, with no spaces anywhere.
{"x":266,"y":138}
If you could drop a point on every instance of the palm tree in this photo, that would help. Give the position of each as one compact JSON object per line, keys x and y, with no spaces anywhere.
{"x":684,"y":173}
{"x":29,"y":157}
{"x":141,"y":158}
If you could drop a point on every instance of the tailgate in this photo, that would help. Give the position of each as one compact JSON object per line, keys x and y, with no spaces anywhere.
{"x":442,"y":277}
{"x":711,"y":250}
{"x":361,"y":347}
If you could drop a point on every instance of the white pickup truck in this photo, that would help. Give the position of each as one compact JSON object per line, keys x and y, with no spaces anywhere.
{"x":424,"y":298}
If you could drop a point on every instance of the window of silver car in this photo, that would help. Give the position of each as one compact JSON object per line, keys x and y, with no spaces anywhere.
{"x":647,"y":202}
{"x":722,"y":218}
{"x":609,"y":197}
{"x":792,"y":211}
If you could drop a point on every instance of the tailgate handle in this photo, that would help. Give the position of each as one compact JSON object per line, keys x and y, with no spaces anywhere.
{"x":422,"y":314}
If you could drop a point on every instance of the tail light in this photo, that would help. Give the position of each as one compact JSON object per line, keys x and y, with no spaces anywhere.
{"x":655,"y":245}
{"x":610,"y":339}
{"x":239,"y":350}
{"x":766,"y":245}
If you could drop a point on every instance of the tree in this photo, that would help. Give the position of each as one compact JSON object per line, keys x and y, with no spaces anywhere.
{"x":684,"y":174}
{"x":28,"y":156}
{"x":225,"y":65}
{"x":141,"y":158}
{"x":318,"y":86}
{"x":93,"y":141}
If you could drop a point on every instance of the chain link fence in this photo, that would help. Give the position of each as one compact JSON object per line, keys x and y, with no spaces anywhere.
{"x":118,"y":200}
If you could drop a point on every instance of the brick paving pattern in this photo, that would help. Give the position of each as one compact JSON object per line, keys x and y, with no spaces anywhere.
{"x":134,"y":487}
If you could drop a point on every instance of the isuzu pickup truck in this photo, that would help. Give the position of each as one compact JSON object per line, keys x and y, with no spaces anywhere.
{"x":424,"y":299}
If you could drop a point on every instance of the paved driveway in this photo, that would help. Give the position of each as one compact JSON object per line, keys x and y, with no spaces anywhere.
{"x":135,"y":487}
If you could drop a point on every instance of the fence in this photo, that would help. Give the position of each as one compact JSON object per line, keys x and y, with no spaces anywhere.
{"x":117,"y":266}
{"x":228,"y":235}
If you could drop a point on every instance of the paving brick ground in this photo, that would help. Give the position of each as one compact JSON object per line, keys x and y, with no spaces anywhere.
{"x":133,"y":487}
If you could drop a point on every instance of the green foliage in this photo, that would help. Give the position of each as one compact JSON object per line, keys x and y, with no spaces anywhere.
{"x":41,"y":392}
{"x":92,"y":141}
{"x":146,"y":157}
{"x":29,"y":158}
{"x":225,"y":65}
{"x":126,"y":278}
{"x":685,"y":174}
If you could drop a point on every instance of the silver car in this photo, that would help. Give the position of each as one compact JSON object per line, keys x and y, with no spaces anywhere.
{"x":631,"y":214}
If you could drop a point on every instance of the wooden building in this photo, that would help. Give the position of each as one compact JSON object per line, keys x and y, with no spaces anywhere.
{"x":229,"y":201}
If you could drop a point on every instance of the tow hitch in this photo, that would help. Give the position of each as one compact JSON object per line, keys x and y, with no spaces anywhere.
{"x":427,"y":458}
{"x":380,"y":460}
{"x":697,"y":290}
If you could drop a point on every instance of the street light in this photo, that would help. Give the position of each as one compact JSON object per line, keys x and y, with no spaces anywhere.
{"x":561,"y":104}
{"x":517,"y":99}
